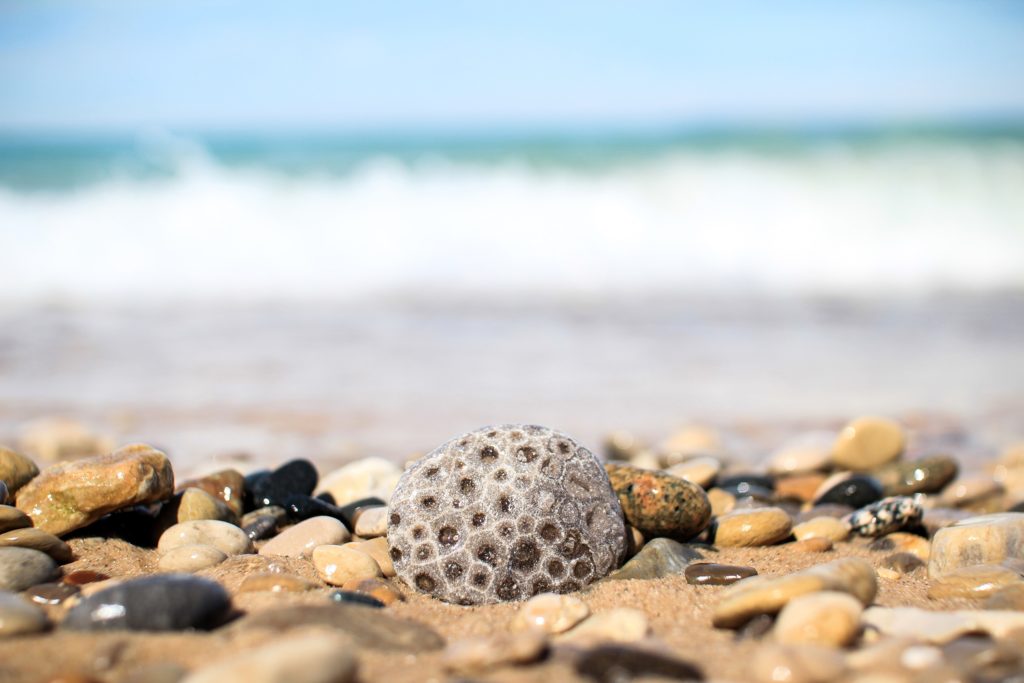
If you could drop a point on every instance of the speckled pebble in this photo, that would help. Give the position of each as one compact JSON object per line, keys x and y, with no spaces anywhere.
{"x":758,"y":527}
{"x":227,"y":538}
{"x":336,"y":565}
{"x":301,"y":539}
{"x":659,"y":504}
{"x":19,"y":617}
{"x":550,"y":613}
{"x":190,"y":558}
{"x":885,"y":516}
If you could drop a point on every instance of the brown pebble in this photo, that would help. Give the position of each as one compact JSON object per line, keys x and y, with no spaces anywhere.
{"x":376,"y":588}
{"x":50,"y":593}
{"x":711,"y":574}
{"x":799,"y":487}
{"x":81,"y":577}
{"x":37,"y":539}
{"x":275,"y":583}
{"x":815,"y":544}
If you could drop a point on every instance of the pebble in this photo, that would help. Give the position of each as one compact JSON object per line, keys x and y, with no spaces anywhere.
{"x":1008,"y":597}
{"x":844,"y":488}
{"x":658,"y":504}
{"x":980,"y":494}
{"x":617,"y":625}
{"x":227,"y":486}
{"x":190,"y":558}
{"x":712,"y":574}
{"x":828,"y":618}
{"x":774,"y":663}
{"x":926,"y":475}
{"x":988,"y":539}
{"x":769,"y":594}
{"x":550,"y":613}
{"x":377,"y":548}
{"x":301,"y":539}
{"x":721,"y":502}
{"x":19,"y":616}
{"x":275,"y":583}
{"x":486,"y":653}
{"x":82,"y":577}
{"x":833,"y":529}
{"x":885,"y":516}
{"x":975,"y":582}
{"x":51,"y":593}
{"x":376,"y":588}
{"x":941,"y":627}
{"x":818,"y":544}
{"x":12,"y":518}
{"x":300,"y":507}
{"x":618,"y":663}
{"x":366,"y":478}
{"x":312,"y":658}
{"x":162,"y":602}
{"x":30,"y":537}
{"x":227,"y":538}
{"x":902,"y":542}
{"x":902,"y":563}
{"x":260,"y":528}
{"x":24,"y":567}
{"x":70,"y":495}
{"x":354,"y":598}
{"x":661,"y":557}
{"x":295,"y":477}
{"x":274,"y":512}
{"x":336,"y":564}
{"x":195,"y":504}
{"x":689,"y":442}
{"x":809,"y":452}
{"x":368,"y":628}
{"x":800,"y":487}
{"x":700,"y":471}
{"x":867,"y":443}
{"x":504,"y":513}
{"x":746,"y":528}
{"x":15,"y":470}
{"x":372,"y":522}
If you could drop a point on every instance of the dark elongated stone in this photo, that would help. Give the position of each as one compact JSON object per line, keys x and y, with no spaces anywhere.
{"x":355,"y":598}
{"x":712,"y":574}
{"x":295,"y":477}
{"x":658,"y":504}
{"x":615,"y":663}
{"x":856,"y":491}
{"x":262,"y":527}
{"x":926,"y":475}
{"x":165,"y":602}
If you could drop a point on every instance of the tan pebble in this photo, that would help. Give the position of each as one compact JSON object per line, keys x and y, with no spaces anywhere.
{"x":827,"y":618}
{"x":372,"y":522}
{"x":867,"y":443}
{"x":476,"y":655}
{"x":366,"y":478}
{"x":941,"y":627}
{"x":805,"y":453}
{"x":645,"y":460}
{"x":190,"y":558}
{"x":801,"y":487}
{"x":888,"y":574}
{"x":835,"y":530}
{"x":701,"y":470}
{"x":226,"y":486}
{"x":382,"y":590}
{"x":976,"y":582}
{"x":816,"y":544}
{"x":758,"y":527}
{"x":902,"y":563}
{"x":275,"y":583}
{"x":16,"y":470}
{"x":988,"y":539}
{"x":618,"y":625}
{"x":315,"y":657}
{"x":773,"y":663}
{"x":299,"y":540}
{"x":12,"y":518}
{"x":550,"y":613}
{"x":337,"y":565}
{"x":38,"y":540}
{"x":722,"y":502}
{"x":902,"y":542}
{"x":227,"y":538}
{"x":198,"y":504}
{"x":378,"y":549}
{"x":691,"y":441}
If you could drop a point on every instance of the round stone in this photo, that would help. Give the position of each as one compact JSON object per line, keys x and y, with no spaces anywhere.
{"x":926,"y":475}
{"x":504,"y":513}
{"x":867,"y":443}
{"x":337,"y":565}
{"x":30,"y":537}
{"x":659,"y":504}
{"x":831,"y":528}
{"x":701,"y":470}
{"x":227,"y":538}
{"x":377,"y":548}
{"x":15,"y":470}
{"x":299,"y":540}
{"x":24,"y":567}
{"x":757,"y":527}
{"x":988,"y":539}
{"x":551,"y":613}
{"x":827,"y":618}
{"x":19,"y":617}
{"x":372,"y":522}
{"x":854,"y":490}
{"x":712,"y":574}
{"x":161,"y":602}
{"x":191,"y":558}
{"x":13,"y":518}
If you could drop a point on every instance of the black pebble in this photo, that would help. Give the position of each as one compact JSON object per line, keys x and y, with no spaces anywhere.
{"x":304,"y":507}
{"x":615,"y":663}
{"x":252,"y":480}
{"x":295,"y":477}
{"x":166,"y":602}
{"x":262,"y":527}
{"x":857,"y":491}
{"x":355,"y":598}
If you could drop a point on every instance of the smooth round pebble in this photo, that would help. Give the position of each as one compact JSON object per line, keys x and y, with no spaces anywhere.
{"x":817,"y":544}
{"x":833,"y":529}
{"x":16,"y":470}
{"x":227,"y":538}
{"x":308,"y":658}
{"x":828,"y":618}
{"x":372,"y":522}
{"x":227,"y":486}
{"x":377,"y":548}
{"x":196,"y":504}
{"x":757,"y":527}
{"x":19,"y":617}
{"x":13,"y":518}
{"x":701,"y":470}
{"x":867,"y":443}
{"x":617,"y":625}
{"x":799,"y":487}
{"x":712,"y":574}
{"x":925,"y":475}
{"x":659,"y":504}
{"x":844,"y":488}
{"x":988,"y":539}
{"x":31,"y":537}
{"x":551,"y":613}
{"x":301,"y":539}
{"x":24,"y":567}
{"x":190,"y":558}
{"x":337,"y":565}
{"x":721,"y":502}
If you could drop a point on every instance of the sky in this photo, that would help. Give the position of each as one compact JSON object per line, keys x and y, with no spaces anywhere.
{"x":93,"y":64}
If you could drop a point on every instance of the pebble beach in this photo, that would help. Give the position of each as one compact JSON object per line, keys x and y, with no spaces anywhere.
{"x":516,"y":553}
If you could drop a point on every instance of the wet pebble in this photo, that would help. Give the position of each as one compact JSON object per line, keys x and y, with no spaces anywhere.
{"x":486,"y":653}
{"x":12,"y":518}
{"x":16,"y":470}
{"x":301,"y":539}
{"x":19,"y":617}
{"x":550,"y":613}
{"x":336,"y":564}
{"x":758,"y":527}
{"x":355,"y":598}
{"x":51,"y":593}
{"x":617,"y":625}
{"x":366,"y":478}
{"x":227,"y":538}
{"x":372,"y":522}
{"x":296,"y":477}
{"x":163,"y":602}
{"x":925,"y":475}
{"x":190,"y":558}
{"x":305,"y":507}
{"x":260,"y":527}
{"x":659,"y":504}
{"x":275,"y":583}
{"x":828,"y":618}
{"x":867,"y":443}
{"x":311,"y":658}
{"x":30,"y":537}
{"x":196,"y":504}
{"x":81,"y":577}
{"x":822,"y":527}
{"x":885,"y":516}
{"x":660,"y":557}
{"x":712,"y":574}
{"x":976,"y":581}
{"x":24,"y":567}
{"x":617,"y":663}
{"x":854,"y":490}
{"x":376,"y":588}
{"x":227,"y":486}
{"x":988,"y":539}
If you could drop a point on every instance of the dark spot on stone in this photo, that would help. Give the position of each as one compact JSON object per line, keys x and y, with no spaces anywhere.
{"x":506,"y":530}
{"x":500,"y":475}
{"x":526,"y":454}
{"x":524,"y":555}
{"x":581,"y":569}
{"x":524,"y":524}
{"x":467,"y":486}
{"x":505,"y":503}
{"x":396,"y":518}
{"x":488,"y":453}
{"x":418,"y":533}
{"x":491,"y":434}
{"x":517,"y":435}
{"x":572,"y":547}
{"x":396,"y":554}
{"x":549,"y":532}
{"x":508,"y":589}
{"x":425,"y":582}
{"x":479,"y":519}
{"x":479,"y":579}
{"x":453,"y":570}
{"x":541,"y":586}
{"x":556,"y":568}
{"x":428,"y":502}
{"x":487,"y":554}
{"x":424,"y":552}
{"x":431,"y":472}
{"x":590,"y":517}
{"x":568,"y":587}
{"x":448,"y":536}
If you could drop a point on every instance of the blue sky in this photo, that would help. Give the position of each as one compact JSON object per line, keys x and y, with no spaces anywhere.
{"x":233,"y":64}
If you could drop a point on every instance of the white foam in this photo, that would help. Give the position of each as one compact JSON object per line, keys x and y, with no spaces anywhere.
{"x":833,"y":219}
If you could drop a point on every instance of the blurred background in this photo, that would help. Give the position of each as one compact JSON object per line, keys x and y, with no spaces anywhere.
{"x":333,"y":229}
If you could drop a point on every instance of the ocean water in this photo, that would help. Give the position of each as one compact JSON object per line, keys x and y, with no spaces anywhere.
{"x":329,"y":296}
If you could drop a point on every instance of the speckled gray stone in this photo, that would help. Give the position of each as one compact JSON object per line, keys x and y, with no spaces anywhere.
{"x":504,"y":513}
